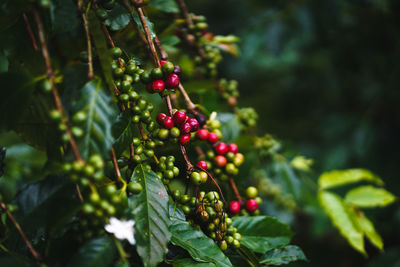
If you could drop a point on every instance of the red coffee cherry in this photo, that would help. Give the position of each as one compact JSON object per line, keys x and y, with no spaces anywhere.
{"x":194,"y":124}
{"x":162,"y":62}
{"x":160,"y":118}
{"x":183,"y":139}
{"x":185,"y":128}
{"x":168,"y":123}
{"x":251,"y":205}
{"x":172,"y":81}
{"x":234,"y":207}
{"x":156,"y":86}
{"x":221,"y":148}
{"x":233,"y":148}
{"x":202,"y":164}
{"x":220,"y":161}
{"x":212,"y":138}
{"x":179,"y":117}
{"x":202,"y":134}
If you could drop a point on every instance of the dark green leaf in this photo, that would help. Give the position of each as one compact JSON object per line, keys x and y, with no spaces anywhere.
{"x":64,"y":15}
{"x":150,"y":24}
{"x":3,"y":63}
{"x":151,"y":216}
{"x":122,"y":131}
{"x":16,"y":260}
{"x":96,"y":253}
{"x":165,"y":5}
{"x":199,"y":246}
{"x":10,"y":12}
{"x":100,"y":115}
{"x":230,"y":126}
{"x":15,"y":96}
{"x":261,"y":233}
{"x":283,"y":255}
{"x":190,"y":262}
{"x":118,"y":18}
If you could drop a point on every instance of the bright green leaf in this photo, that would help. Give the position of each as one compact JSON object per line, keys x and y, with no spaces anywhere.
{"x":98,"y":252}
{"x":283,"y":255}
{"x":261,"y":233}
{"x":152,"y":217}
{"x":340,"y":215}
{"x":199,"y":246}
{"x":369,"y":197}
{"x":100,"y":115}
{"x":342,"y":177}
{"x":368,"y":228}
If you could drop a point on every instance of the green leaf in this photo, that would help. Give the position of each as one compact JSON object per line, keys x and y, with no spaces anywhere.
{"x":97,"y":252}
{"x":64,"y":16}
{"x":283,"y":255}
{"x":150,"y":24}
{"x":3,"y":63}
{"x":118,"y":18}
{"x":15,"y":96}
{"x":165,"y":5}
{"x":369,"y":196}
{"x":230,"y":126}
{"x":199,"y":246}
{"x":100,"y":115}
{"x":261,"y":233}
{"x":122,"y":131}
{"x":343,"y":177}
{"x":16,"y":260}
{"x":368,"y":228}
{"x":152,"y":217}
{"x":340,"y":215}
{"x":190,"y":262}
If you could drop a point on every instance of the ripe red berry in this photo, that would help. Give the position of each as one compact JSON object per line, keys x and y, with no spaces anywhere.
{"x":179,"y":117}
{"x":168,"y":123}
{"x":185,"y":128}
{"x":202,"y":164}
{"x":172,"y":81}
{"x":233,"y":148}
{"x":202,"y":134}
{"x":251,"y":205}
{"x":212,"y":138}
{"x":157,"y":86}
{"x":221,"y":148}
{"x":160,"y":118}
{"x":194,"y":124}
{"x":183,"y":139}
{"x":162,"y":62}
{"x":234,"y":207}
{"x":220,"y":161}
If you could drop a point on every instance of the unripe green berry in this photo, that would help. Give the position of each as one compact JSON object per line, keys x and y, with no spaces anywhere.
{"x":135,"y":187}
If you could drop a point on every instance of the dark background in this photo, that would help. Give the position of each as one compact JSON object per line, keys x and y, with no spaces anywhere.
{"x":324,"y":77}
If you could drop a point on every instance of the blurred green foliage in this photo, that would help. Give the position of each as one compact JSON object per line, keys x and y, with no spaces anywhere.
{"x":323,"y":76}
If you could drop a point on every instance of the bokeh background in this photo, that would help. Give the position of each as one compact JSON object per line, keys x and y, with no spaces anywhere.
{"x":324,"y":77}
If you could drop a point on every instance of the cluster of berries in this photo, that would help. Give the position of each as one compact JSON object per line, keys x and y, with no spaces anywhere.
{"x":246,"y":207}
{"x":179,"y":119}
{"x":158,"y":79}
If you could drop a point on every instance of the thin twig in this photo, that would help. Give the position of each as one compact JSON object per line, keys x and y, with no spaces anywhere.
{"x":234,"y":189}
{"x":185,"y":12}
{"x":50,"y":74}
{"x":88,"y":41}
{"x":164,"y":54}
{"x":148,"y":35}
{"x":139,"y":31}
{"x":189,"y":104}
{"x":213,"y":180}
{"x":34,"y":253}
{"x":30,"y":33}
{"x":115,"y":163}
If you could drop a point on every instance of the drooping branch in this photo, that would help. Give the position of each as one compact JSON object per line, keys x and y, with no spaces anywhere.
{"x":30,"y":32}
{"x":34,"y":253}
{"x":51,"y":77}
{"x":88,"y":40}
